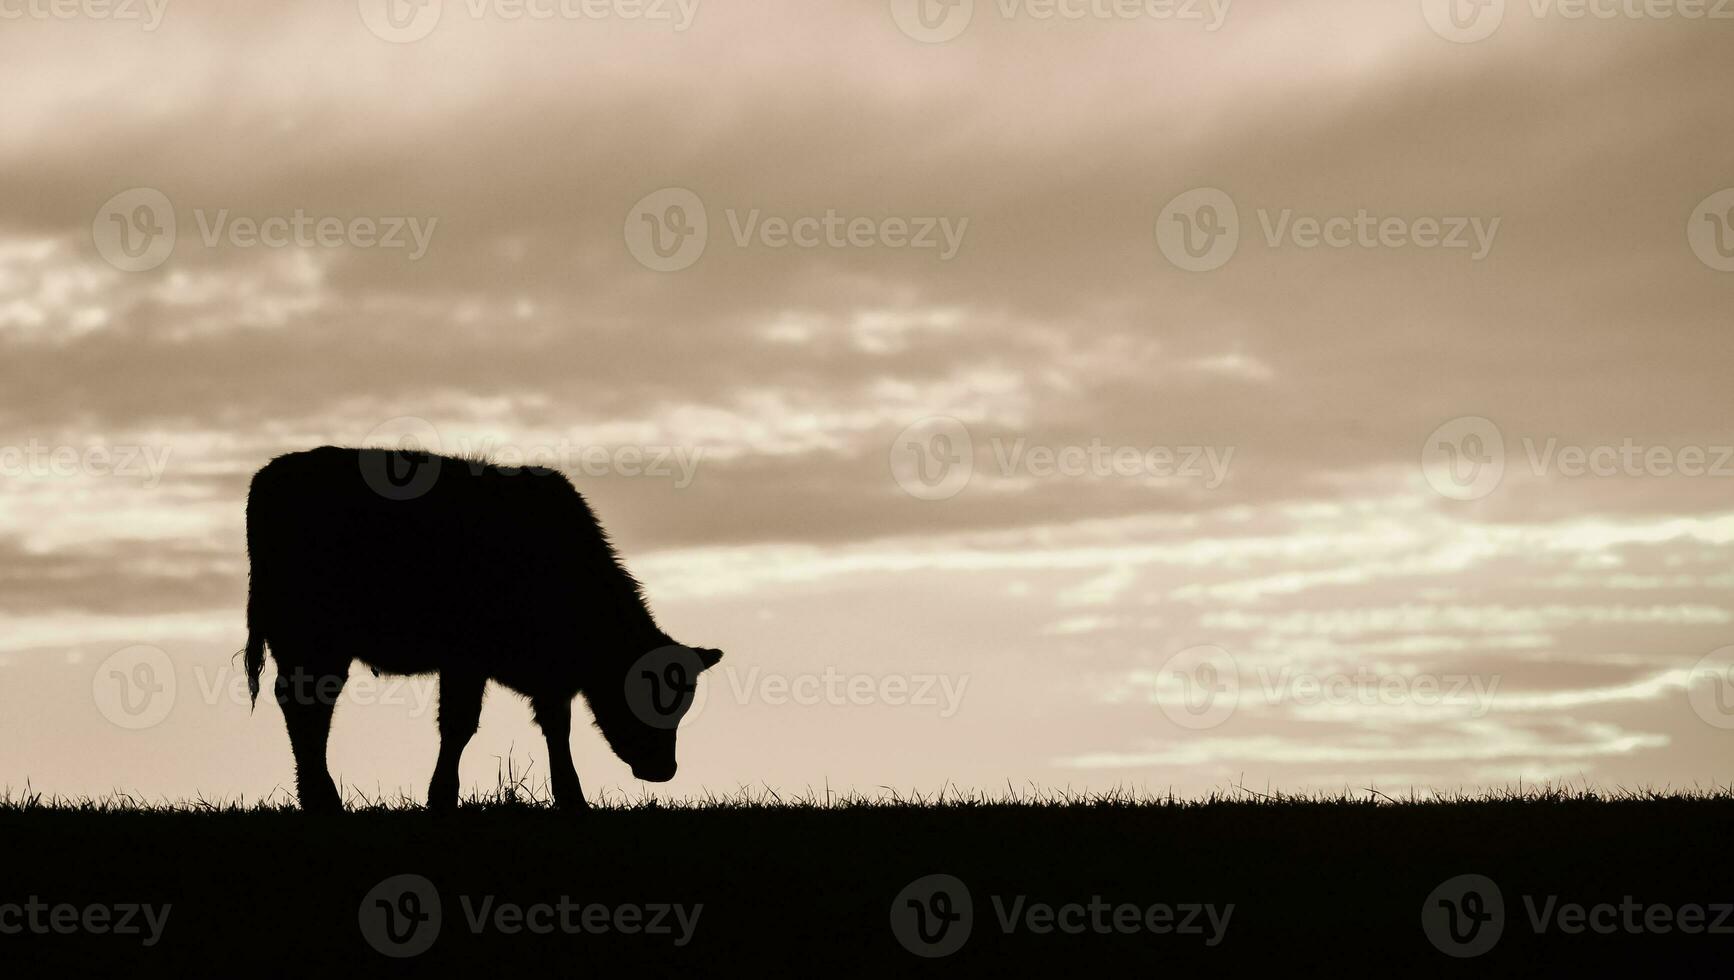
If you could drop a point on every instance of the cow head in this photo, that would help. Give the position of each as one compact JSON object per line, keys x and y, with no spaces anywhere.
{"x":639,"y":711}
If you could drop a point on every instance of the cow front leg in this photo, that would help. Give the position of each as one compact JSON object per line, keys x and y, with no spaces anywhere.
{"x":554,"y":717}
{"x":308,"y":696}
{"x":460,"y":710}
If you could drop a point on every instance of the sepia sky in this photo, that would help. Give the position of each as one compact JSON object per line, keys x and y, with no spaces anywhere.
{"x":987,"y":384}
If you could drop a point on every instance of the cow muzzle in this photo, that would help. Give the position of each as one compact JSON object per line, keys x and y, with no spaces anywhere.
{"x":654,"y":773}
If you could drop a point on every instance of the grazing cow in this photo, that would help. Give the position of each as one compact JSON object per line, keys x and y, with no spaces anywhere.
{"x":415,"y":563}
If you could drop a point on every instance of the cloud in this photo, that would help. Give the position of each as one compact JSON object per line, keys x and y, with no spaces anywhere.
{"x":785,"y":374}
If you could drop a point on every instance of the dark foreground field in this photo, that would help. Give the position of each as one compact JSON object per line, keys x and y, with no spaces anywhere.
{"x":1340,"y":886}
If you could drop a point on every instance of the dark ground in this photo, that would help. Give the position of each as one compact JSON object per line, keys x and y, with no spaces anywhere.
{"x":1335,"y":886}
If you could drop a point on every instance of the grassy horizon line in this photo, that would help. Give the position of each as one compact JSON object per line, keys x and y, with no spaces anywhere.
{"x":517,"y":793}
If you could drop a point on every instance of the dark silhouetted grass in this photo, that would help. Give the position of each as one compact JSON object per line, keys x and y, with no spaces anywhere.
{"x":1329,"y":882}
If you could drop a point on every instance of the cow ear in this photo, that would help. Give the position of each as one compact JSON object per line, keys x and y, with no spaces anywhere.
{"x":709,"y":657}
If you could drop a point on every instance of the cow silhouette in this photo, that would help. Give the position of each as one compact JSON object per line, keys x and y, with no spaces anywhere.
{"x":417,"y":563}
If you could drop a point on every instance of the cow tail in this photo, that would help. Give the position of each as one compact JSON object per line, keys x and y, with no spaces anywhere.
{"x":255,"y":655}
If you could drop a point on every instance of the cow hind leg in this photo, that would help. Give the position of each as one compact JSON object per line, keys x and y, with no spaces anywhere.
{"x":554,"y":717}
{"x":308,"y":695}
{"x":460,"y":710}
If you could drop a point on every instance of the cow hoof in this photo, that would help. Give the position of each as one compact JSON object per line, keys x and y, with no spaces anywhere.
{"x":322,"y":805}
{"x":443,"y":798}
